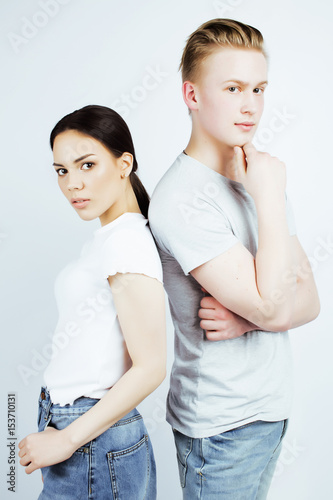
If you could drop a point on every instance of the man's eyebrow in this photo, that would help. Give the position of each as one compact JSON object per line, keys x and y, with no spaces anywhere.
{"x":234,"y":80}
{"x":77,"y":159}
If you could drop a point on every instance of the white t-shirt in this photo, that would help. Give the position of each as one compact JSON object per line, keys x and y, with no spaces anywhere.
{"x":89,"y":351}
{"x":195,"y":214}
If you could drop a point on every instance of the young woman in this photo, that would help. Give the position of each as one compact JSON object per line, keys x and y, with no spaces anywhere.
{"x":109,"y":348}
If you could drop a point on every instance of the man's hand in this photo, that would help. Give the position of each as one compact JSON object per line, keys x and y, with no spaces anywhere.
{"x":219,"y":322}
{"x":44,"y":448}
{"x":260,"y":173}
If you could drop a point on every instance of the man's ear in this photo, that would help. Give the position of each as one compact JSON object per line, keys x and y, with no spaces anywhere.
{"x":190,"y":95}
{"x":126,"y":164}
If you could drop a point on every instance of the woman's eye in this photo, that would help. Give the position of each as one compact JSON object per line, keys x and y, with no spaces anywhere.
{"x":61,"y":172}
{"x":258,"y":91}
{"x":86,"y":166}
{"x":233,"y":90}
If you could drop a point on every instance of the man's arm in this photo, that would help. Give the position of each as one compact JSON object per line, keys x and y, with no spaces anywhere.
{"x":222,"y":324}
{"x":260,"y":290}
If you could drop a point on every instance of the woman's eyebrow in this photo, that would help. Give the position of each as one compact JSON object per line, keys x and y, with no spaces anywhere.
{"x":75,"y":161}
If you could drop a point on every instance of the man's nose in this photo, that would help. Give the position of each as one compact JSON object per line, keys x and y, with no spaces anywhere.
{"x":249,"y":104}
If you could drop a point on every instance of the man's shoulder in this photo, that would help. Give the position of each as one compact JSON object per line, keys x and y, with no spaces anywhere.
{"x":175,"y":171}
{"x":184,"y":178}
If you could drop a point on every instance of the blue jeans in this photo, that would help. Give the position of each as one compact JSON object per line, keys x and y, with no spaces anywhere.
{"x":235,"y":465}
{"x":117,"y":465}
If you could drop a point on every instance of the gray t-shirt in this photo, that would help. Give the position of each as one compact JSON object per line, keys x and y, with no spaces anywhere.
{"x":196,"y":214}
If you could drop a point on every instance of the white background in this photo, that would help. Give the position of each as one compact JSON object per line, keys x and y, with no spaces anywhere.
{"x":99,"y":52}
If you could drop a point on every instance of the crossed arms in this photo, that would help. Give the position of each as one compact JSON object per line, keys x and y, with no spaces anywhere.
{"x":274,"y":291}
{"x":221,"y":323}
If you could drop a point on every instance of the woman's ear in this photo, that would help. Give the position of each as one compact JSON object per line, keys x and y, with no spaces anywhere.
{"x":189,"y":95}
{"x":126,"y":164}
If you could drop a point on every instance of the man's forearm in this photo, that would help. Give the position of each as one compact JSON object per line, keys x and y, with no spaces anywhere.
{"x":273,"y":261}
{"x":306,"y":306}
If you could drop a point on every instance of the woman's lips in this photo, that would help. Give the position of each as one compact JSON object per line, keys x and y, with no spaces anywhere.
{"x":79,"y":202}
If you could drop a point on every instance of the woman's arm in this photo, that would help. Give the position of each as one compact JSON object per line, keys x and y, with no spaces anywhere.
{"x":140,"y":304}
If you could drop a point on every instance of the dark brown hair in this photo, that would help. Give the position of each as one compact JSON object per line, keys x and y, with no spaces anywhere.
{"x":108,"y":127}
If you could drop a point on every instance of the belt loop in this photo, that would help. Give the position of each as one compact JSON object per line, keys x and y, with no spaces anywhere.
{"x":45,"y":402}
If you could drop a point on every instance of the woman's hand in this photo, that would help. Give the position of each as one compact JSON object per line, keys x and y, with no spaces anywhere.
{"x":45,"y":448}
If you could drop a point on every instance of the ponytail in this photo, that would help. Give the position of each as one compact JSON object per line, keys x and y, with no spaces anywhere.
{"x":140,"y":193}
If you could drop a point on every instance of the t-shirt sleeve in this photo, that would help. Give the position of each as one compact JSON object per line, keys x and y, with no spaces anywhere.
{"x":131,"y":251}
{"x":192,"y":235}
{"x":194,"y":231}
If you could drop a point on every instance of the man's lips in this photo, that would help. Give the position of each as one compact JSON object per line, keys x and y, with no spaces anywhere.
{"x":245,"y":125}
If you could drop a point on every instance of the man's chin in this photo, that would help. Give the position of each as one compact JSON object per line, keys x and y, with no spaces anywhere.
{"x":240,"y":144}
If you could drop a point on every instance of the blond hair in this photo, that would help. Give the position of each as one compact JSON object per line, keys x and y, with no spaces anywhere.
{"x":213,"y":34}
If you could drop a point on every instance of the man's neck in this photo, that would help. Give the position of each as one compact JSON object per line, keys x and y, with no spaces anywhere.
{"x":214,"y":155}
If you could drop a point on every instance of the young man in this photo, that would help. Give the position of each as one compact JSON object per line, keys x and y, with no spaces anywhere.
{"x":223,"y":226}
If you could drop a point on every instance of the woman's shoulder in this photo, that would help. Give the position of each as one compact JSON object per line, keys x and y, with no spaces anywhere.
{"x":131,"y":237}
{"x":131,"y":249}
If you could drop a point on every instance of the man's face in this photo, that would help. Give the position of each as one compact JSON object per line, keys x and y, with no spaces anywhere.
{"x":229,"y":93}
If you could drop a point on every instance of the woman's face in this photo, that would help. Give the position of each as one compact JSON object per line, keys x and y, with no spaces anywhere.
{"x":92,"y":179}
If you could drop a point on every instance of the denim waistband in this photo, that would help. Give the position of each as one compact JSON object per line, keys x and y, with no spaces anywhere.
{"x":77,"y":408}
{"x":80,"y":405}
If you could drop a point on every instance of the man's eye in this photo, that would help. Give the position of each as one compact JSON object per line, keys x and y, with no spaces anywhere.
{"x":86,"y":166}
{"x":61,"y":172}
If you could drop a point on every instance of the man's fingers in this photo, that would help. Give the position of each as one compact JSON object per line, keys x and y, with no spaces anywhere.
{"x":239,"y":163}
{"x":239,"y":156}
{"x":208,"y":302}
{"x":208,"y":324}
{"x":211,"y":303}
{"x":214,"y":336}
{"x":206,"y":313}
{"x":249,"y":149}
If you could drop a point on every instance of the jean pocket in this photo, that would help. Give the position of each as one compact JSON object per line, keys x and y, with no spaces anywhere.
{"x":182,"y":472}
{"x":129,"y":471}
{"x":285,"y":427}
{"x":184,"y":448}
